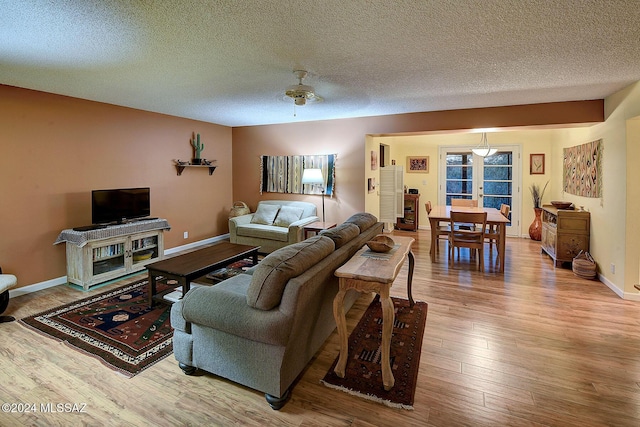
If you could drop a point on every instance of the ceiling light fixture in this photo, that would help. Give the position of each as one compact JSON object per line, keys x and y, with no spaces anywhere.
{"x":301,"y":93}
{"x":483,"y":148}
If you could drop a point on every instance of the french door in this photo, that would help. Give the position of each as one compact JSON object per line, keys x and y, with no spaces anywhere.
{"x":492,"y":180}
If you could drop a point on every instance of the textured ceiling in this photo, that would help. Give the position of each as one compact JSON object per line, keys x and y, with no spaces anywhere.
{"x":229,"y":62}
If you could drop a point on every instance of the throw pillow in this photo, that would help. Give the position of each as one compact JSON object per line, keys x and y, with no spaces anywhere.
{"x":265,"y":214}
{"x":363,"y":220}
{"x":342,"y":233}
{"x":287,"y":215}
{"x":272,"y":274}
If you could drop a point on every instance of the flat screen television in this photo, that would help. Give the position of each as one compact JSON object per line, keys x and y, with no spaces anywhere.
{"x":119,"y":205}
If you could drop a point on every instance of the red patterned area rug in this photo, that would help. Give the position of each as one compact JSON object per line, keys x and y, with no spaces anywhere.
{"x":117,"y":327}
{"x":363,"y":376}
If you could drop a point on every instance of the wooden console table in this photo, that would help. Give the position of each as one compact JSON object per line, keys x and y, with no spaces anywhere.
{"x":369,"y":271}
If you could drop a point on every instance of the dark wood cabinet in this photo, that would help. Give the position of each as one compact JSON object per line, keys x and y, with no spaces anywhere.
{"x":410,"y":219}
{"x":565,"y":233}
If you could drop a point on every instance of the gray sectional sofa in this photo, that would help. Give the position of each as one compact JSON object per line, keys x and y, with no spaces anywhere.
{"x":274,"y":224}
{"x":261,"y":329}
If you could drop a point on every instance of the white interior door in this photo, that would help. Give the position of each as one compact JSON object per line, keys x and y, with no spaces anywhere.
{"x":391,"y":189}
{"x":491,"y":180}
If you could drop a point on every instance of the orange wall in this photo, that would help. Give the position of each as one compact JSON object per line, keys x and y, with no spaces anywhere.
{"x":346,"y":138}
{"x":56,"y":149}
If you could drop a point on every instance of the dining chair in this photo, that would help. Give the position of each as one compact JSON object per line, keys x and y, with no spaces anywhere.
{"x":441,"y":231}
{"x":469,"y":203}
{"x":470,"y":239}
{"x":492,"y":233}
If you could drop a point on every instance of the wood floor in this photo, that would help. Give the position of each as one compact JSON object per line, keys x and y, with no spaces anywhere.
{"x":535,"y":346}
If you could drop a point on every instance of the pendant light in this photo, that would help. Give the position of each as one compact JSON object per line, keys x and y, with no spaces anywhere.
{"x":483,"y":149}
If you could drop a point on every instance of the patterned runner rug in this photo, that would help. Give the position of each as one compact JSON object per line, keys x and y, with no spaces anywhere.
{"x":363,"y":376}
{"x":117,"y":327}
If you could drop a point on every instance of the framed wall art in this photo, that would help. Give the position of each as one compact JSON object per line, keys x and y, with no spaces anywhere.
{"x":418,"y":164}
{"x":582,"y":169}
{"x":374,"y":160}
{"x":536,"y":164}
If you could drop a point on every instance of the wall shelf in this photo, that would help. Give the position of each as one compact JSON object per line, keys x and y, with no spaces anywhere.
{"x":180,"y":167}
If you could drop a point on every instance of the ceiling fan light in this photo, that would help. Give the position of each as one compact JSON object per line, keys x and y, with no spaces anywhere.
{"x":300,"y":89}
{"x":301,"y":93}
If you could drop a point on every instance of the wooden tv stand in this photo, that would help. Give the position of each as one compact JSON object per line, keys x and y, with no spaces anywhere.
{"x":96,"y":256}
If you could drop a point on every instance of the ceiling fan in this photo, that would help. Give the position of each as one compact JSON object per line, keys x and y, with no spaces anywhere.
{"x":301,"y":93}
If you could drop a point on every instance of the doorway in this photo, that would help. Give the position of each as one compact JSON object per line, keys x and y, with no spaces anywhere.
{"x":492,"y":180}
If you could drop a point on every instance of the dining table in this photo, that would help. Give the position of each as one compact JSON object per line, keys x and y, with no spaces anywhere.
{"x":442,"y":213}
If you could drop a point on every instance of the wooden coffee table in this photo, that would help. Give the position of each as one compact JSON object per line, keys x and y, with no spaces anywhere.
{"x":372,"y":272}
{"x":187,"y":267}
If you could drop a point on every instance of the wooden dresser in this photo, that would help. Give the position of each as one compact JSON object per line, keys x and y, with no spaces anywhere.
{"x":409,"y":221}
{"x":565,"y":233}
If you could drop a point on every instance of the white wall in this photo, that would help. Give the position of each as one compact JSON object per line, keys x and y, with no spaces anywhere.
{"x":371,"y":200}
{"x":632,"y":245}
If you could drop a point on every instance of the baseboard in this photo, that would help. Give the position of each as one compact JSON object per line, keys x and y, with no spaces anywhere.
{"x":630,"y":296}
{"x":63,"y":280}
{"x":614,"y":288}
{"x":197,"y":244}
{"x":37,"y":287}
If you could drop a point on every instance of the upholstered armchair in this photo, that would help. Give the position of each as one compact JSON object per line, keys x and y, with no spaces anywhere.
{"x":7,"y":281}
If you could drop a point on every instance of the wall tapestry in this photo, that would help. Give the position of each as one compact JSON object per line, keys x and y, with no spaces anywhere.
{"x":283,"y":174}
{"x":582,"y":169}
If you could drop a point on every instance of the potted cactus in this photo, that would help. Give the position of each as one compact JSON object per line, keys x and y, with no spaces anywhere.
{"x":197,"y":149}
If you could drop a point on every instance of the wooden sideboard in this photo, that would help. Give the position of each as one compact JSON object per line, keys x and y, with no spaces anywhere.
{"x":565,"y":232}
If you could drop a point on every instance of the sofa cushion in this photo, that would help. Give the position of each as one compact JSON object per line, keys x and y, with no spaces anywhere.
{"x":274,"y":271}
{"x":309,"y":209}
{"x":342,"y":233}
{"x":363,"y":220}
{"x":265,"y":214}
{"x":261,"y":231}
{"x":287,"y":215}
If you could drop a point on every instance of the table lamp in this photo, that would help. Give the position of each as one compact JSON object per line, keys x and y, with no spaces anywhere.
{"x":314,"y":176}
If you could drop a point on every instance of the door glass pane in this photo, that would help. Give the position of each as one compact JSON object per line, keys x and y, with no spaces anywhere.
{"x":494,"y":181}
{"x":459,"y":176}
{"x":498,"y":180}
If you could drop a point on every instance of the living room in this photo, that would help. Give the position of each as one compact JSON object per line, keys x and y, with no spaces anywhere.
{"x":536,"y":345}
{"x":58,"y":130}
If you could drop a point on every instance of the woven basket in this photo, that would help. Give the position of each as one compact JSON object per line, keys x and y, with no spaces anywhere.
{"x":239,"y":208}
{"x":584,"y":266}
